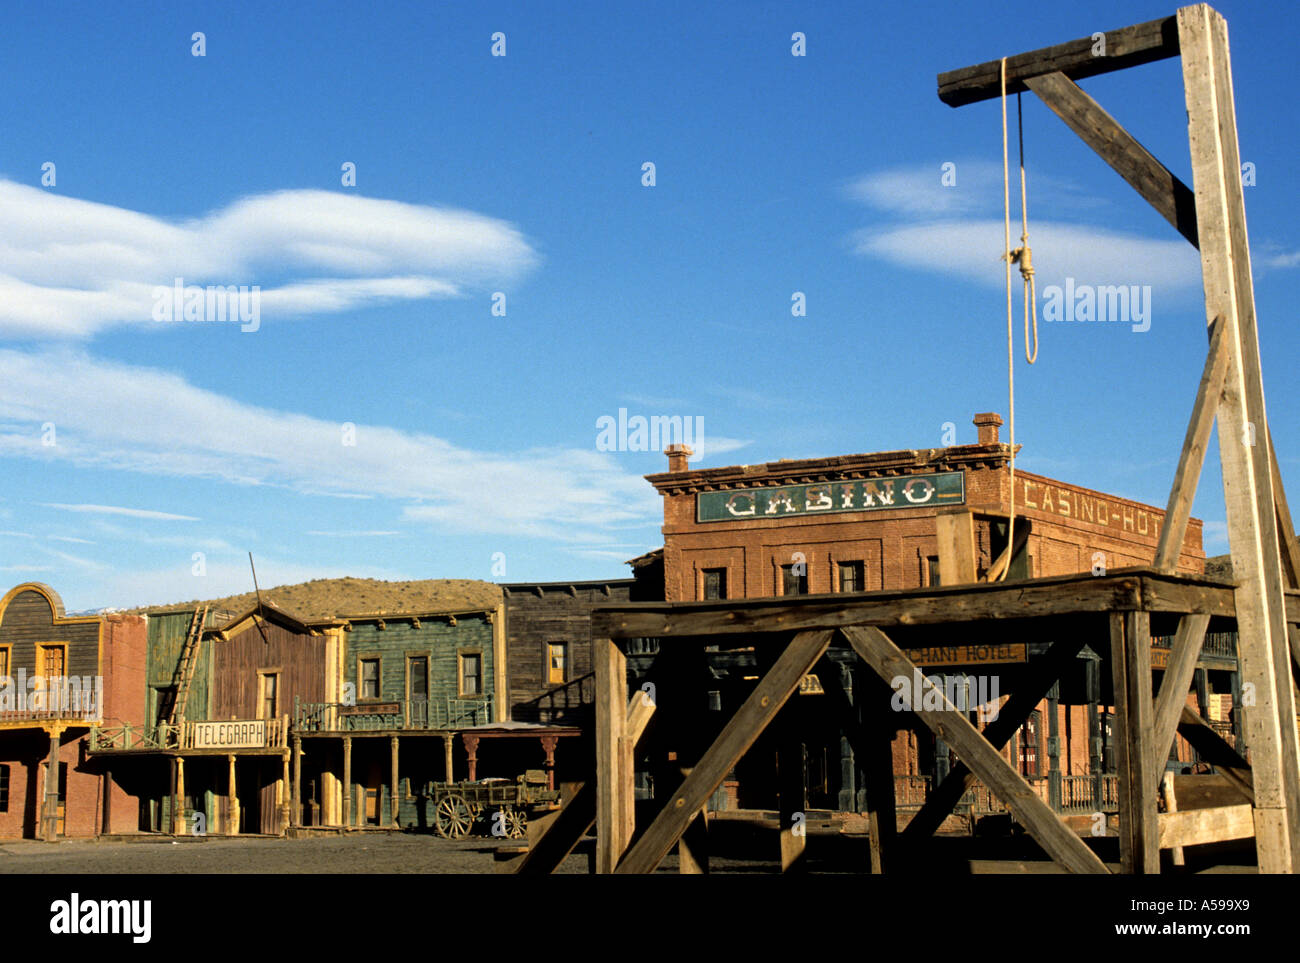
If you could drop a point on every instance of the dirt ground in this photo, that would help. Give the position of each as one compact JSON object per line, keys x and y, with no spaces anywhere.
{"x":357,"y":853}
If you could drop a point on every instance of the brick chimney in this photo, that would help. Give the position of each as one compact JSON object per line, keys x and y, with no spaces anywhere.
{"x":988,"y":422}
{"x":679,"y":457}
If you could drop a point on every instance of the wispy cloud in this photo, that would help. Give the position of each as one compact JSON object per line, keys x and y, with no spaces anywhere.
{"x":554,"y":492}
{"x":958,"y":230}
{"x":117,"y":510}
{"x":375,"y":534}
{"x":72,"y":267}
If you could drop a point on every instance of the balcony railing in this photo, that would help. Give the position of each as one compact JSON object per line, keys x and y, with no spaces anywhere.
{"x":1217,"y":645}
{"x":407,"y":714}
{"x":1078,"y":794}
{"x":68,"y":713}
{"x":167,"y":736}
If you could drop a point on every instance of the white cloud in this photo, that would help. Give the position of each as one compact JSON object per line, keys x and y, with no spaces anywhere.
{"x":73,"y":267}
{"x":971,"y":249}
{"x":116,"y":510}
{"x":562,"y":493}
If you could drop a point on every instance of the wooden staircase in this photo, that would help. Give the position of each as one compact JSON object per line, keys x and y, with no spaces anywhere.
{"x":186,"y":664}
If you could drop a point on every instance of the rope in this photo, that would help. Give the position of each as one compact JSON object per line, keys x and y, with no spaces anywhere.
{"x":1023,"y":256}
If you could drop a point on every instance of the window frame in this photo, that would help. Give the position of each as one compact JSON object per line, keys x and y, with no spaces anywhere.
{"x":721,"y":573}
{"x":566,"y":665}
{"x":859,"y":568}
{"x":428,"y":683}
{"x":787,"y":572}
{"x":262,"y":676}
{"x":461,"y":656}
{"x":362,"y":659}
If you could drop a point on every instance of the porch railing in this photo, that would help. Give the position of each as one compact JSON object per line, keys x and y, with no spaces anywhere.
{"x":405,"y":714}
{"x":1078,"y":794}
{"x":167,"y":736}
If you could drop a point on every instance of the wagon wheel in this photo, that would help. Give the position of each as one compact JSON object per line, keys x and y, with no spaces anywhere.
{"x":515,"y":823}
{"x":453,"y":817}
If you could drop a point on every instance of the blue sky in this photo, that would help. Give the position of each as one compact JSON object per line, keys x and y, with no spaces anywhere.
{"x":128,"y":445}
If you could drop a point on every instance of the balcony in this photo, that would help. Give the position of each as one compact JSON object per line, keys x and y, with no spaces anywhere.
{"x":220,"y":736}
{"x":411,"y":714}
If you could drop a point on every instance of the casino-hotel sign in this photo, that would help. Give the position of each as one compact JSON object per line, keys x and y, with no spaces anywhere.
{"x":826,"y":498}
{"x":241,"y":734}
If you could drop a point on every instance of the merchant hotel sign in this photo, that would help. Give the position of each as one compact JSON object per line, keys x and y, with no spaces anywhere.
{"x":826,"y":498}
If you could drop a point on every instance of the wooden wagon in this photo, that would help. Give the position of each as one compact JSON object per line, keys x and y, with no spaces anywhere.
{"x":460,"y":806}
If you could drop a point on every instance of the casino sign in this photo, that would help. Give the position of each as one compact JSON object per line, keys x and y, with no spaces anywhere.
{"x":827,"y":498}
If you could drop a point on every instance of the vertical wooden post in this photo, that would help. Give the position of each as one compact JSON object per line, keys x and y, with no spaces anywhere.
{"x":792,"y":822}
{"x":955,"y":531}
{"x":232,"y":797}
{"x":347,"y":781}
{"x":1243,"y":435}
{"x":1054,"y":748}
{"x":1130,"y":665}
{"x":880,"y":724}
{"x":1171,"y":806}
{"x":396,"y":780}
{"x":283,"y":793}
{"x":295,"y":812}
{"x":50,"y":803}
{"x":178,"y":808}
{"x":615,"y":813}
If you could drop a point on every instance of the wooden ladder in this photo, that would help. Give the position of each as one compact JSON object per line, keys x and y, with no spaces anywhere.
{"x":185,"y":666}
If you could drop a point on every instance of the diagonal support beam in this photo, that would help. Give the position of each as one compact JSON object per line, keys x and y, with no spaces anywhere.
{"x":1043,"y":674}
{"x":1192,"y":458}
{"x":1175,"y":685}
{"x":1057,"y":840}
{"x":1117,"y":147}
{"x":771,"y":693}
{"x":1211,"y":747}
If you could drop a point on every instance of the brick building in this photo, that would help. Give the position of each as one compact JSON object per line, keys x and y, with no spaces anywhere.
{"x":60,"y":675}
{"x":909,"y":519}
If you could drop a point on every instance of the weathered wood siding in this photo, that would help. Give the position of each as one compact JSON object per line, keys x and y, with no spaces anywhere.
{"x":28,"y":620}
{"x":440,"y":641}
{"x":559,"y":614}
{"x":298,"y":658}
{"x":167,"y":633}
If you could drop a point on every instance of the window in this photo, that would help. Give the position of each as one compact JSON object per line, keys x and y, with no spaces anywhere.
{"x":471,"y":674}
{"x":852,"y":577}
{"x":557,"y":663}
{"x":269,"y":700}
{"x":417,"y":678}
{"x":715,"y":583}
{"x":932,"y":570}
{"x":792,"y":584}
{"x":4,"y":789}
{"x":1029,"y":761}
{"x":4,"y":661}
{"x":52,"y":661}
{"x":368,"y":673}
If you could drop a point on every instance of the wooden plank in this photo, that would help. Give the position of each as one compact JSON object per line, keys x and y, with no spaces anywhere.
{"x":1212,"y":748}
{"x":1127,"y":47}
{"x":1058,"y":841}
{"x":1065,"y":595}
{"x":1117,"y":147}
{"x":1143,"y":773}
{"x":1194,"y":827}
{"x":1119,"y":670}
{"x":955,"y":532}
{"x":1192,"y":457}
{"x":737,"y":736}
{"x":877,"y":763}
{"x":1174,"y":687}
{"x":614,"y":791}
{"x":1243,"y":436}
{"x":1170,"y":797}
{"x":1041,"y":675}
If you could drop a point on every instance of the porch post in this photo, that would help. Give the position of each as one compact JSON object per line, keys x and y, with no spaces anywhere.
{"x":347,"y":781}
